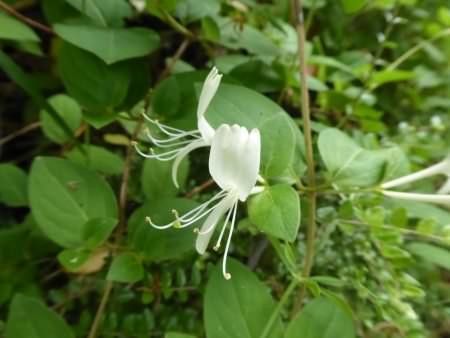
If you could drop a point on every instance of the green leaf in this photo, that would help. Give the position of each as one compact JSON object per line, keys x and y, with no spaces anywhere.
{"x":282,"y":141}
{"x":321,"y":318}
{"x":12,"y":29}
{"x":29,"y":318}
{"x":110,"y":44}
{"x":352,"y":6}
{"x":159,"y":245}
{"x":192,"y":10}
{"x":239,"y":307}
{"x":98,"y":158}
{"x":69,"y":110}
{"x":347,"y":162}
{"x":388,"y":76}
{"x":246,"y":37}
{"x":97,"y":230}
{"x":73,"y":259}
{"x":157,"y":181}
{"x":64,"y":196}
{"x":26,"y":83}
{"x":210,"y":29}
{"x":13,"y":186}
{"x":125,"y":268}
{"x":177,"y":335}
{"x":432,"y":254}
{"x":423,"y":210}
{"x":104,"y":13}
{"x":280,"y":138}
{"x":276,"y":211}
{"x":92,"y":82}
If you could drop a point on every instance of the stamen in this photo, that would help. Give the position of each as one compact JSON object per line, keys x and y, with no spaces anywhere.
{"x":167,"y":156}
{"x":168,"y":130}
{"x":222,"y":231}
{"x":226,"y":274}
{"x":167,"y":143}
{"x":190,"y":217}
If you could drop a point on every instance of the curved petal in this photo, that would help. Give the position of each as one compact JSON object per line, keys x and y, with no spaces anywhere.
{"x":209,"y":89}
{"x":204,"y":236}
{"x":182,"y":154}
{"x":249,"y":164}
{"x":205,"y":130}
{"x":234,"y":159}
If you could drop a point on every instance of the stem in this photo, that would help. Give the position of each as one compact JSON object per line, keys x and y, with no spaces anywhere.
{"x":8,"y":9}
{"x":311,"y":227}
{"x":278,"y":308}
{"x":22,"y":131}
{"x":101,"y":309}
{"x":405,"y":56}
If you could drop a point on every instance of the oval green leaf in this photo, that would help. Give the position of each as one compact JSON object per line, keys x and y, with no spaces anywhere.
{"x":64,"y":196}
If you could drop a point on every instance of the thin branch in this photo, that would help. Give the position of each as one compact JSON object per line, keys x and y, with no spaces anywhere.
{"x":180,"y":51}
{"x":200,"y":188}
{"x":22,"y":131}
{"x":311,"y":184}
{"x":8,"y":9}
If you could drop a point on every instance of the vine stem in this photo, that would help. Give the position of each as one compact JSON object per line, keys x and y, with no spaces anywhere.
{"x":10,"y":10}
{"x":297,"y":6}
{"x":123,"y":193}
{"x":278,"y":308}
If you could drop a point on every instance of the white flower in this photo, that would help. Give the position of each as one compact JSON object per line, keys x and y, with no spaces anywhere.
{"x":179,"y":142}
{"x":429,"y":198}
{"x":234,"y":164}
{"x":442,"y":168}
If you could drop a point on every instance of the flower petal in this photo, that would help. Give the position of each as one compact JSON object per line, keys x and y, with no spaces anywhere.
{"x":182,"y":154}
{"x":209,"y":89}
{"x":204,"y":236}
{"x":234,"y":159}
{"x":445,"y":189}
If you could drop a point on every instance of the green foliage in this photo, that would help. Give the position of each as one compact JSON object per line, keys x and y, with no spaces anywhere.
{"x":64,"y":196}
{"x":30,"y":318}
{"x":243,"y":301}
{"x":80,"y":209}
{"x":276,"y":211}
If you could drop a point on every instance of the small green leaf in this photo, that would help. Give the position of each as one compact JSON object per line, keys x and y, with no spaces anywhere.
{"x":92,"y":82}
{"x":210,"y":29}
{"x":159,"y":245}
{"x":352,"y":6}
{"x":97,"y":158}
{"x":110,"y":44}
{"x":104,"y":13}
{"x":276,"y":211}
{"x":388,"y":76}
{"x":69,"y":110}
{"x":13,"y":29}
{"x":125,"y":268}
{"x":13,"y":186}
{"x":72,"y":259}
{"x":30,"y":318}
{"x":239,"y":307}
{"x":29,"y":86}
{"x":432,"y":254}
{"x":321,"y":318}
{"x":192,"y":10}
{"x":97,"y":230}
{"x":64,"y":196}
{"x":157,"y":178}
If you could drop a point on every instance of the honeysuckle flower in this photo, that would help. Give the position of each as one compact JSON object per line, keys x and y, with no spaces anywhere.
{"x":179,"y":143}
{"x":441,"y":168}
{"x":233,"y":164}
{"x":429,"y":198}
